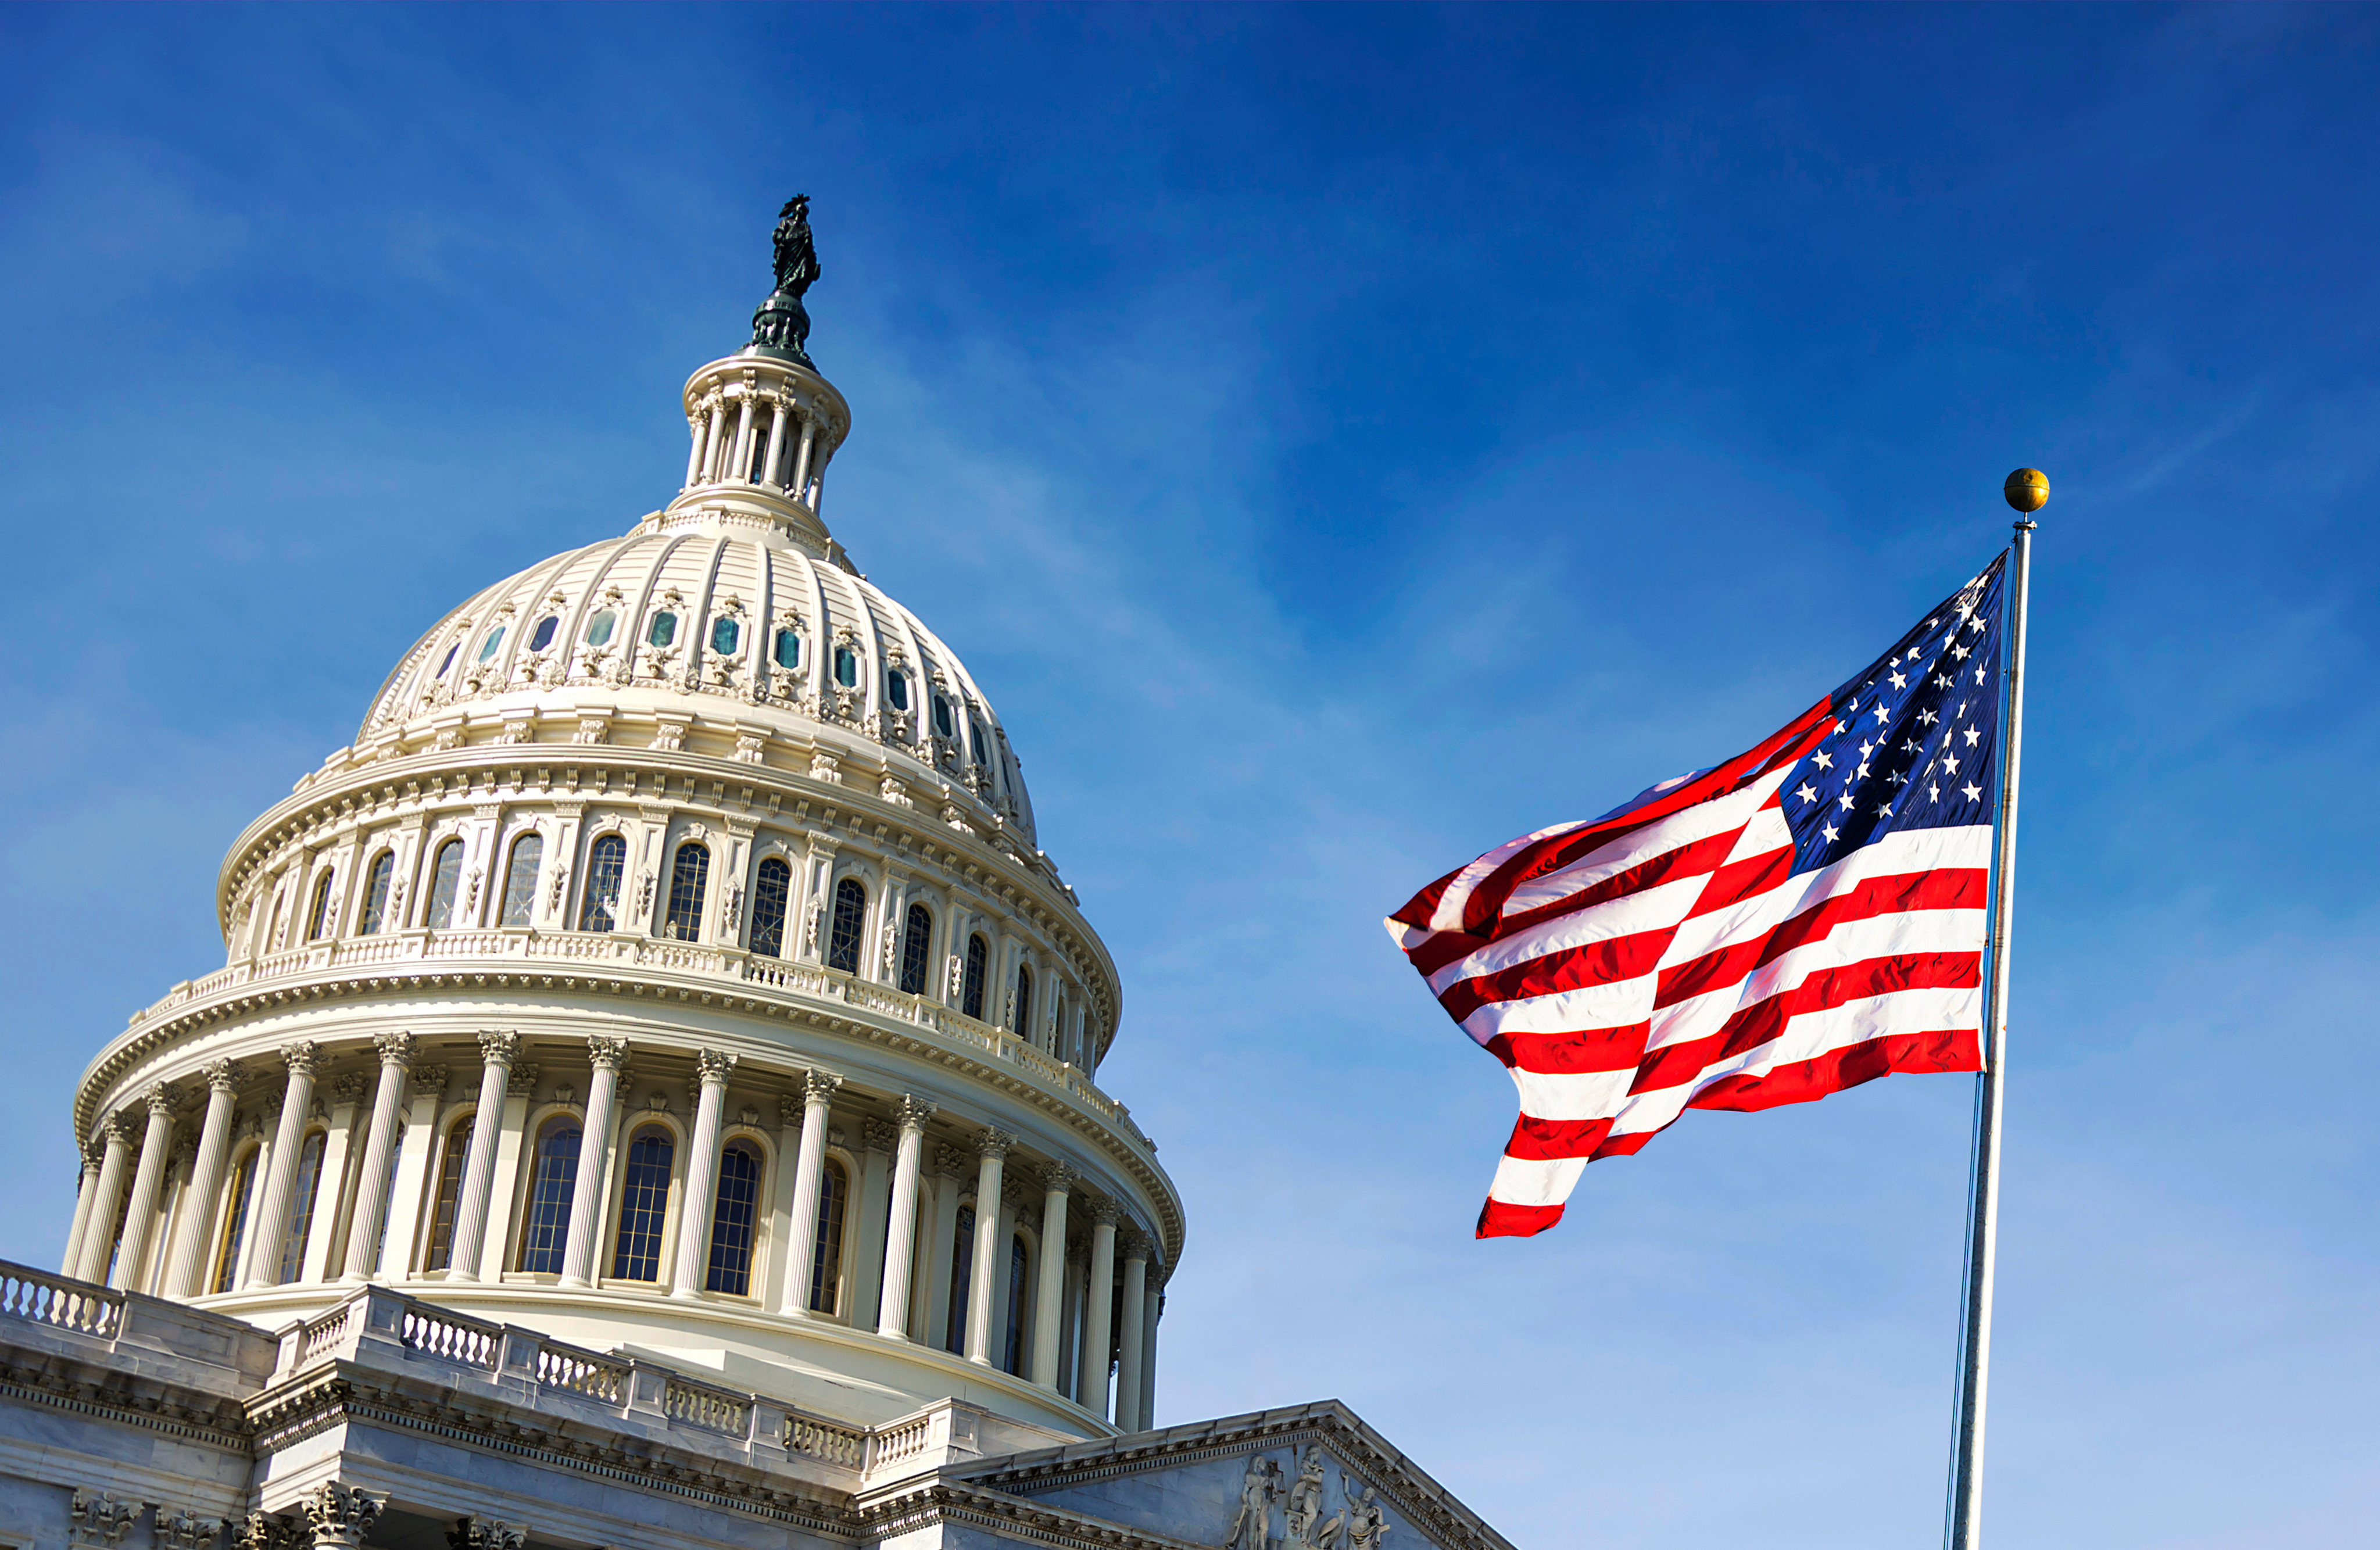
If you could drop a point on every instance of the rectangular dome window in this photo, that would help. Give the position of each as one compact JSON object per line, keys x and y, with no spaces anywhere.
{"x":724,"y":634}
{"x":543,"y":635}
{"x":944,"y":725}
{"x":488,"y":647}
{"x":846,"y":667}
{"x":789,"y":650}
{"x":665,"y":629}
{"x":598,"y":629}
{"x":896,"y":688}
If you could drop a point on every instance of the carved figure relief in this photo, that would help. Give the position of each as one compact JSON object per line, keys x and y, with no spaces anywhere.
{"x":267,"y":1530}
{"x":1252,"y":1527}
{"x":98,"y":1517}
{"x":185,"y":1531}
{"x":1361,"y":1523}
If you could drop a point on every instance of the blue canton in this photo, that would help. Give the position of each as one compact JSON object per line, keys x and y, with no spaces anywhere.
{"x":1916,"y":743}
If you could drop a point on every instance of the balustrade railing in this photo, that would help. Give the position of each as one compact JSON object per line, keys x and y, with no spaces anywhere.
{"x":699,"y":1404}
{"x":826,"y":1442}
{"x":40,"y":1298}
{"x":905,"y":1441}
{"x":582,"y":1372}
{"x":450,"y":1336}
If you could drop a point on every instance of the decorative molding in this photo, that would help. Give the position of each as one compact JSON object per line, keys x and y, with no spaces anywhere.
{"x":342,"y":1515}
{"x":497,"y":1048}
{"x":520,"y":1081}
{"x":993,"y":1143}
{"x":395,"y":1049}
{"x":711,"y":1066}
{"x":606,"y":1054}
{"x":99,"y":1517}
{"x":912,"y":1112}
{"x":300,"y":1057}
{"x":486,"y":1534}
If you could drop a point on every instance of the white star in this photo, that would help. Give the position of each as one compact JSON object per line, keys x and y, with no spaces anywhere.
{"x":1940,"y":681}
{"x":1931,"y":623}
{"x":1825,"y":760}
{"x":1974,"y":735}
{"x":1881,"y":714}
{"x":1926,"y":718}
{"x":1830,"y":831}
{"x":1901,"y":680}
{"x":1805,"y":793}
{"x":1960,"y":652}
{"x":1866,"y":748}
{"x":1933,"y":793}
{"x":1962,"y":707}
{"x":1975,"y":793}
{"x":1844,"y":802}
{"x":1950,"y":762}
{"x":1979,"y":673}
{"x":1884,"y":810}
{"x":1975,"y":623}
{"x":1909,"y":746}
{"x":1862,"y":769}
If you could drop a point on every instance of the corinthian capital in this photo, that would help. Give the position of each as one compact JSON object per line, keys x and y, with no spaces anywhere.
{"x":341,"y":1516}
{"x":485,"y":1534}
{"x":713,"y":1066}
{"x":1058,"y":1179}
{"x":606,"y":1054}
{"x":912,"y":1112}
{"x":498,"y":1049}
{"x":121,"y":1126}
{"x":817,"y":1086}
{"x":163,"y":1100}
{"x":993,"y":1144}
{"x":395,"y":1049}
{"x":224,"y":1076}
{"x":300,"y":1057}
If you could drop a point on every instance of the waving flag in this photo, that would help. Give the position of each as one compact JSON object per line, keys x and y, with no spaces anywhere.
{"x":1805,"y":917}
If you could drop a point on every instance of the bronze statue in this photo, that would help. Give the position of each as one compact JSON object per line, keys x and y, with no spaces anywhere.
{"x":782,"y":324}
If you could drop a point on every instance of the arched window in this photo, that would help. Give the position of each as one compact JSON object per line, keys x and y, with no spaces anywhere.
{"x":737,"y":1205}
{"x":445,"y":880}
{"x":542,"y":637}
{"x":725,"y":636}
{"x":598,"y":629}
{"x":318,"y":913}
{"x":449,"y":1198}
{"x":606,"y":859}
{"x":1012,"y":1340}
{"x":772,"y":891}
{"x":971,"y":986}
{"x":376,"y":882}
{"x":235,"y":1224}
{"x":1023,"y":1027}
{"x":302,"y":1190}
{"x":644,"y":1206}
{"x":917,"y":942}
{"x":962,"y":1270}
{"x":520,"y":880}
{"x":687,"y":878}
{"x":664,"y":631}
{"x":826,"y":1254}
{"x":850,"y":919}
{"x":545,"y":1221}
{"x":488,"y":647}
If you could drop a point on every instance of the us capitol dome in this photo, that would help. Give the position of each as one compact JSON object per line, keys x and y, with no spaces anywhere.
{"x":649,"y":1099}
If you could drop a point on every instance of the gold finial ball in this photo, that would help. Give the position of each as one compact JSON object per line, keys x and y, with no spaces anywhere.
{"x":2027,"y":489}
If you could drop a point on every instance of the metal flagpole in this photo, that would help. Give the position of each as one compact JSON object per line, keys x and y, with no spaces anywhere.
{"x":2027,"y":490}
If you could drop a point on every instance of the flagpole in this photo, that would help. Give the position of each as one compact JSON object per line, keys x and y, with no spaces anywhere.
{"x":2027,"y":491}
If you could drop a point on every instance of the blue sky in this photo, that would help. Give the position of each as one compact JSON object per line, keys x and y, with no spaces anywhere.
{"x":1341,"y":439}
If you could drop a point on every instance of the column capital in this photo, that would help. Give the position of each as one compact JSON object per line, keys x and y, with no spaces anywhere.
{"x":347,"y":1087}
{"x":713,"y":1066}
{"x":429,"y":1079}
{"x":395,"y":1049}
{"x":341,"y":1515}
{"x":121,"y":1125}
{"x":1104,"y":1212}
{"x":912,"y":1112}
{"x":820,"y":1085}
{"x":993,"y":1143}
{"x":162,"y":1099}
{"x":498,"y":1049}
{"x":301,"y":1057}
{"x":947,"y":1162}
{"x":1131,"y":1243}
{"x":789,"y":1108}
{"x":224,"y":1076}
{"x":520,"y":1081}
{"x":1058,"y":1179}
{"x":606,"y":1054}
{"x":486,"y":1534}
{"x":877,"y":1135}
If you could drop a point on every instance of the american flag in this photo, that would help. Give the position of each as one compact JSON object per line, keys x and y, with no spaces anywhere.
{"x":1805,"y":917}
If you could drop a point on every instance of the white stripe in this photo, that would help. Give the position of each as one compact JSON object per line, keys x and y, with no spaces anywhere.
{"x":1567,"y":1011}
{"x":1649,"y":909}
{"x":1448,"y":917}
{"x":1895,"y":854}
{"x":1807,"y":1036}
{"x":1596,"y":1095}
{"x":1521,"y":1182}
{"x":1634,"y":848}
{"x":1878,"y":937}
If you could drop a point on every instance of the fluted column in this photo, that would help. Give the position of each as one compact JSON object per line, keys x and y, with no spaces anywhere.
{"x":809,"y":1178}
{"x":701,"y":1174}
{"x":901,"y":1234}
{"x":802,"y":464}
{"x":992,"y":1150}
{"x":156,"y":1148}
{"x":198,"y":1215}
{"x":380,"y":1147}
{"x":497,"y":1050}
{"x":271,"y":1223}
{"x":99,"y":1232}
{"x":606,"y":1055}
{"x":1148,"y":1358}
{"x":1130,"y":1353}
{"x":736,"y":449}
{"x":1099,"y":1312}
{"x":1049,"y":1295}
{"x":86,"y":1188}
{"x":710,"y":444}
{"x":776,"y":444}
{"x":700,"y":433}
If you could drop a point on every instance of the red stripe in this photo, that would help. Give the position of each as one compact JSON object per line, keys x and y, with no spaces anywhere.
{"x":1940,"y":1050}
{"x":1500,"y":1220}
{"x":1487,"y":901}
{"x":1418,"y":909}
{"x":1944,"y":888}
{"x":1608,"y":962}
{"x":1738,"y":880}
{"x":1548,"y":1140}
{"x":1692,"y":857}
{"x":1586,"y":1049}
{"x":1755,"y":1025}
